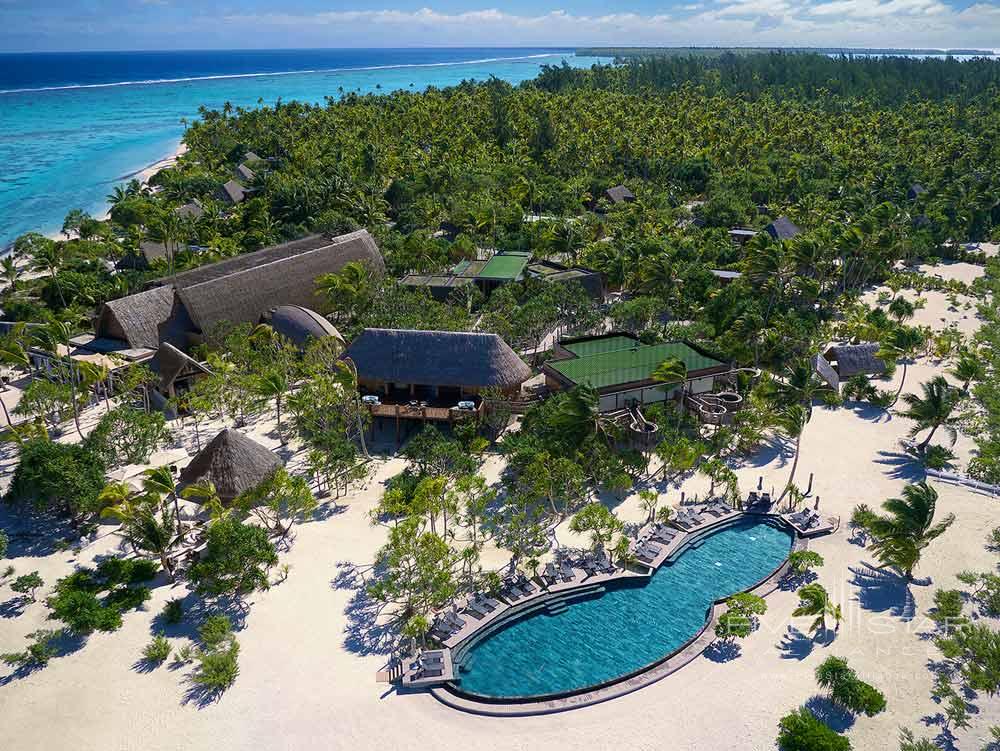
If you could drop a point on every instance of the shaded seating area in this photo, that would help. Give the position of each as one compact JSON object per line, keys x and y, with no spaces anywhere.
{"x":809,"y":523}
{"x":430,"y":667}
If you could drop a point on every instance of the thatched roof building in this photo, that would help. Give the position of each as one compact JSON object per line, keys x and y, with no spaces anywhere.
{"x":300,"y":325}
{"x":192,"y":211}
{"x":461,"y":360}
{"x":181,"y":308}
{"x":782,"y":228}
{"x":244,"y":173}
{"x":232,"y":192}
{"x":855,"y":359}
{"x":175,"y":367}
{"x":233,"y":462}
{"x":619,"y":194}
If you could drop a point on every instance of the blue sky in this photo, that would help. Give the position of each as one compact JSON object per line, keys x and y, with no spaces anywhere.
{"x":175,"y":24}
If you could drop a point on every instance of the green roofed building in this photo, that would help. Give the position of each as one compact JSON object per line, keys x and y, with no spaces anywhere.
{"x":620,"y":367}
{"x":513,"y":266}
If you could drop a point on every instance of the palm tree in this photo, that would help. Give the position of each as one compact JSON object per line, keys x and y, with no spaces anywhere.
{"x":800,"y":384}
{"x":346,"y":289}
{"x":902,"y":343}
{"x":159,"y":482}
{"x":814,"y":600}
{"x":274,"y":385}
{"x":969,"y":367}
{"x":9,"y":272}
{"x":579,"y":415}
{"x":935,"y":409}
{"x":792,"y":422}
{"x":145,"y":525}
{"x":46,"y":257}
{"x":901,"y":309}
{"x":671,"y":371}
{"x":900,"y":537}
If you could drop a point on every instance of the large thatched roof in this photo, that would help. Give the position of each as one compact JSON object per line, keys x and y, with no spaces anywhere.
{"x":436,"y":358}
{"x":233,"y":462}
{"x":855,"y":359}
{"x":238,"y":290}
{"x":232,"y":192}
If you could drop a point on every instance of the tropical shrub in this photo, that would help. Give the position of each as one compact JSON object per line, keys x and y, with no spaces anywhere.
{"x":26,"y":584}
{"x":38,"y":652}
{"x":216,"y":671}
{"x":157,"y":650}
{"x":947,"y":610}
{"x":76,"y":598}
{"x":60,"y":477}
{"x":803,"y":561}
{"x":801,"y":731}
{"x":4,"y":543}
{"x":236,"y":560}
{"x":126,"y":435}
{"x":173,"y":612}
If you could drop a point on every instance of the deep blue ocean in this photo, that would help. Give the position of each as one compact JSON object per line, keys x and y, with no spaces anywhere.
{"x":73,"y":125}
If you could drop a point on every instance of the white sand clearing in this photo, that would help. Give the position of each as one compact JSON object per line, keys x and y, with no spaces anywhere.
{"x":307,"y":666}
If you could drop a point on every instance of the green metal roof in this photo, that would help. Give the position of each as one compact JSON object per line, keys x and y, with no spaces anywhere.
{"x":505,"y":266}
{"x":618,"y":360}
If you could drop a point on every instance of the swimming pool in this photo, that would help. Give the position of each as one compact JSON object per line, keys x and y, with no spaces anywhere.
{"x":594,"y":641}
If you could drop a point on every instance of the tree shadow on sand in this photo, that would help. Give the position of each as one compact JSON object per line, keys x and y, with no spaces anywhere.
{"x":366,"y":633}
{"x":901,"y":466}
{"x":884,"y":591}
{"x":795,"y":645}
{"x":65,"y":644}
{"x":723,"y":650}
{"x":831,"y":714}
{"x":14,"y":607}
{"x":869,"y":412}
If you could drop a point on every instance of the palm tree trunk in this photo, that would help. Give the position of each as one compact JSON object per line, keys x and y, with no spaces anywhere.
{"x":922,"y":447}
{"x":795,"y":464}
{"x":900,"y":389}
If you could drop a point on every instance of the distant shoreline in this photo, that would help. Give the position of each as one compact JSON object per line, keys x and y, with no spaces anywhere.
{"x":715,"y":51}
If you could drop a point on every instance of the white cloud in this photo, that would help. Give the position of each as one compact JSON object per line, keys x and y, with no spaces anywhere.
{"x":881,"y":23}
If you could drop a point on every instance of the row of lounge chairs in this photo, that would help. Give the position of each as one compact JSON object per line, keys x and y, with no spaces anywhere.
{"x":755,"y":498}
{"x":479,"y":606}
{"x":446,"y":625}
{"x":517,"y":586}
{"x":599,"y":564}
{"x":690,"y":518}
{"x":556,"y":573}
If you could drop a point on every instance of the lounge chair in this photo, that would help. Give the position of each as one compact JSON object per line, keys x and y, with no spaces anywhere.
{"x":753,"y":498}
{"x":527,"y":586}
{"x":589,"y":565}
{"x":604,"y":564}
{"x":484,"y":603}
{"x":549,"y":574}
{"x":644,"y":554}
{"x":431,"y":658}
{"x":471,"y":608}
{"x":454,"y":621}
{"x":566,"y":572}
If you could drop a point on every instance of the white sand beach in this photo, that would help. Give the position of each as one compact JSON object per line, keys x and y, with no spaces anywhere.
{"x":308,"y":660}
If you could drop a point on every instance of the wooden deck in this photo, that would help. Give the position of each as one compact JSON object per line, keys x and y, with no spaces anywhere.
{"x":419,"y":412}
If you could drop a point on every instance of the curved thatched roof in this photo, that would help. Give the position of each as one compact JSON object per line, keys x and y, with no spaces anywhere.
{"x":299,"y":325}
{"x":436,"y":358}
{"x":233,"y":462}
{"x":171,"y":363}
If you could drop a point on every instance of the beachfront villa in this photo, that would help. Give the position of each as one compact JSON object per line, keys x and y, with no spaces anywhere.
{"x":842,"y":361}
{"x":490,"y":273}
{"x":619,"y":366}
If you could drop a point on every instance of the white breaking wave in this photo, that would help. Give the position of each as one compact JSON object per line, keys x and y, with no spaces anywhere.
{"x":222,"y":76}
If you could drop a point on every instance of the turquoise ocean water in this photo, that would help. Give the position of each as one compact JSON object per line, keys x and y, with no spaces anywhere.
{"x":71,"y":129}
{"x":625,"y":629}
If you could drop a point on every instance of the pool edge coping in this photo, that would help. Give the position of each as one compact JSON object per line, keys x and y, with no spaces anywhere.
{"x":630,"y":682}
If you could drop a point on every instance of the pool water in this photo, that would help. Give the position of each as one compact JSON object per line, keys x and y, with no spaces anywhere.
{"x":628,"y":627}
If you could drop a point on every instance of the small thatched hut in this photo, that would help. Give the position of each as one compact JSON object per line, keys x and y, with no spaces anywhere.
{"x":232,"y":192}
{"x":619,"y":194}
{"x":233,"y":462}
{"x":855,"y":359}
